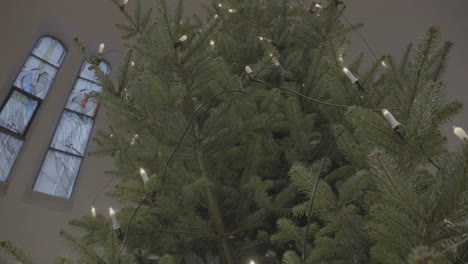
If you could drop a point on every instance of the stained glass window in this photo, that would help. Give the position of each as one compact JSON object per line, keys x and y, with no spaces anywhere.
{"x":29,"y":89}
{"x":60,"y":168}
{"x":9,"y":149}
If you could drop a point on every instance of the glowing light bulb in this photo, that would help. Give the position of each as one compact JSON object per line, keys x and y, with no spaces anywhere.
{"x":340,"y":58}
{"x":132,"y":63}
{"x":115,"y":222}
{"x":230,"y":10}
{"x":101,"y":48}
{"x":318,"y":6}
{"x":93,"y":211}
{"x":460,"y":133}
{"x":248,"y":70}
{"x":220,"y":5}
{"x":390,"y":119}
{"x":252,"y":262}
{"x":216,"y":16}
{"x":212,"y":43}
{"x":350,"y":75}
{"x":183,"y":38}
{"x":144,"y":176}
{"x":384,"y":64}
{"x":261,"y":38}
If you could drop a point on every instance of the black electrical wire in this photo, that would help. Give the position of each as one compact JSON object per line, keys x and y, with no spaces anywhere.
{"x":314,"y":190}
{"x":167,"y":166}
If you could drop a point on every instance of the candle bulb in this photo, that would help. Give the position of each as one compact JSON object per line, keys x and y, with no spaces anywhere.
{"x":384,"y":64}
{"x":460,"y":133}
{"x":115,"y":222}
{"x":350,"y":75}
{"x":101,"y":49}
{"x":124,"y":3}
{"x":144,"y":176}
{"x":93,"y":211}
{"x":181,"y":40}
{"x":353,"y":79}
{"x":249,"y":71}
{"x":390,"y":119}
{"x":274,"y":60}
{"x":315,"y":7}
{"x":394,"y":124}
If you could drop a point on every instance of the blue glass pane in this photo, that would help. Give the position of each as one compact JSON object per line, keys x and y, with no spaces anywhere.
{"x":49,"y":50}
{"x":72,"y":133}
{"x":9,"y":149}
{"x":17,"y":112}
{"x":35,"y":77}
{"x":81,"y":99}
{"x":58,"y":174}
{"x":88,"y":74}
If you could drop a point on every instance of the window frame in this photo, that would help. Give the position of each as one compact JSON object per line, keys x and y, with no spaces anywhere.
{"x":50,"y":148}
{"x":23,"y":136}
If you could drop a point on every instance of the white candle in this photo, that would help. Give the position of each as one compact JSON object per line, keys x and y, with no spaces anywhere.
{"x":248,"y":70}
{"x":101,"y":49}
{"x":460,"y":133}
{"x":391,"y":120}
{"x":144,"y":176}
{"x":93,"y":211}
{"x":350,"y":75}
{"x":115,"y":222}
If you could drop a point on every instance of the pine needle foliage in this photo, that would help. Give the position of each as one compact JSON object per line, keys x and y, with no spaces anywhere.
{"x":233,"y":158}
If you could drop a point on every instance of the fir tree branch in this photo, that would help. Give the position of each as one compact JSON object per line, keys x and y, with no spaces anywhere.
{"x":314,"y":190}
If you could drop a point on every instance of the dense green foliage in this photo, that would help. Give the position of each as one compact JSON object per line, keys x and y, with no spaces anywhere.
{"x":239,"y":184}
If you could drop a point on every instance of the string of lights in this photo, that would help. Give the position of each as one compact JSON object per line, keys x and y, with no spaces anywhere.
{"x":395,"y":125}
{"x":166,"y":166}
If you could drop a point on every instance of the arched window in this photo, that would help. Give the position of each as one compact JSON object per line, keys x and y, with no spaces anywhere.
{"x":60,"y":167}
{"x":28,"y":91}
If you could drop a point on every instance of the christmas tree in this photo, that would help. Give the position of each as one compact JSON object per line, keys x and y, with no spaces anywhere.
{"x":244,"y":138}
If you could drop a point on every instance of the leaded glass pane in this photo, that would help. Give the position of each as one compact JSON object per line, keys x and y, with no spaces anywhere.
{"x":90,"y":74}
{"x":72,"y":133}
{"x":49,"y":50}
{"x":58,"y":174}
{"x":17,"y":112}
{"x":36,"y":77}
{"x":81,"y":99}
{"x":9,"y":149}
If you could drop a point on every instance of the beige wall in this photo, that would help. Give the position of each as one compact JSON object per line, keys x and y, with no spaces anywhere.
{"x":32,"y":220}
